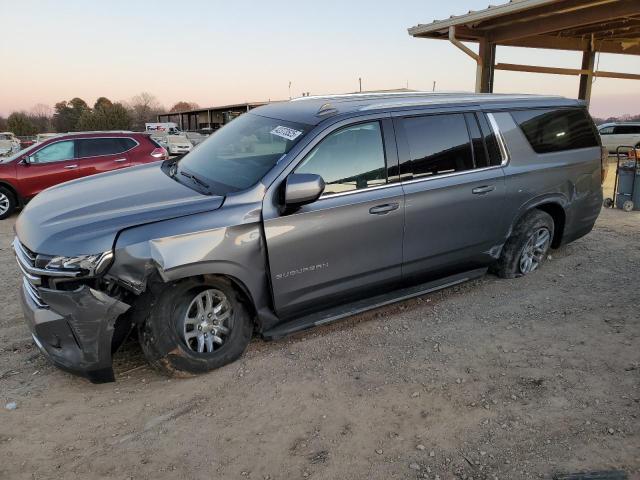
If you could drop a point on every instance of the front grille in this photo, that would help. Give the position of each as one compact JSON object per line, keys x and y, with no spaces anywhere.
{"x":30,"y":279}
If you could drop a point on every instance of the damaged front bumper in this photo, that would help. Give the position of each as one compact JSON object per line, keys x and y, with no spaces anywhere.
{"x":74,"y":329}
{"x":73,"y":324}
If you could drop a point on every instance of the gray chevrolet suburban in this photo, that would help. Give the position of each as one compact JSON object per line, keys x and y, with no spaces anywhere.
{"x":298,"y":214}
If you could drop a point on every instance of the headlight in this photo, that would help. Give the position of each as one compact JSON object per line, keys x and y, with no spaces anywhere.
{"x":91,"y":265}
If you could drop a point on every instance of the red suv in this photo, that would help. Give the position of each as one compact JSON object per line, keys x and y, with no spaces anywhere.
{"x":67,"y":157}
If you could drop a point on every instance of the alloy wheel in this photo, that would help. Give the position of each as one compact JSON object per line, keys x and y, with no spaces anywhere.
{"x":534,"y":250}
{"x":4,"y":203}
{"x":207,"y":321}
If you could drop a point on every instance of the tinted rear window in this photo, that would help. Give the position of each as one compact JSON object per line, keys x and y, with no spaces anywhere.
{"x":438,"y":144}
{"x":128,"y":143}
{"x":556,"y":130}
{"x":93,"y":147}
{"x":627,"y":129}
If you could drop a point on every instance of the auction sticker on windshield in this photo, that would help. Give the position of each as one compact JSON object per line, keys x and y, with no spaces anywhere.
{"x":286,"y":132}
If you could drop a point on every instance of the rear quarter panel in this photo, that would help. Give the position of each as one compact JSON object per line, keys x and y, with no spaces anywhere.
{"x":569,"y":178}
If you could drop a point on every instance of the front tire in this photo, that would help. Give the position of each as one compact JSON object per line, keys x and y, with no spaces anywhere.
{"x":8,"y":202}
{"x":527,"y":247}
{"x":194,"y":326}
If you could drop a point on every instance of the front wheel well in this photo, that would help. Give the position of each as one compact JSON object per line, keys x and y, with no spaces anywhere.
{"x":559,"y":217}
{"x":156,"y":282}
{"x":12,"y":189}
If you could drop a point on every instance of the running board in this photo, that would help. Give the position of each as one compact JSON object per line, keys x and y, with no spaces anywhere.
{"x":353,"y":308}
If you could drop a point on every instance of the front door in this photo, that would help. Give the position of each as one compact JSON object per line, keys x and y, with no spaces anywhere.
{"x":348,"y":243}
{"x":454,"y":188}
{"x":52,"y":164}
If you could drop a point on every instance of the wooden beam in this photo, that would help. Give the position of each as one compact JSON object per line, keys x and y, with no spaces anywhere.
{"x":586,"y":80}
{"x":594,"y":15}
{"x":512,"y":67}
{"x":623,"y":76}
{"x":486,"y":67}
{"x":567,"y":43}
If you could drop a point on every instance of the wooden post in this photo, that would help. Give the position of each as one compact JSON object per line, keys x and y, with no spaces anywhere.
{"x":486,"y":67}
{"x":586,"y":80}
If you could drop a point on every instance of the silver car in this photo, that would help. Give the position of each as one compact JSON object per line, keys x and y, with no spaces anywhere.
{"x":298,"y":214}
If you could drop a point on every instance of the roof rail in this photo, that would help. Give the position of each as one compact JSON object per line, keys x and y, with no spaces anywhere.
{"x":372,"y":94}
{"x":469,"y":98}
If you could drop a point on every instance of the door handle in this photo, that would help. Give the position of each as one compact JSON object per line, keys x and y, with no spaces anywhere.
{"x":69,"y":167}
{"x":120,"y":160}
{"x":383,"y":209}
{"x":483,"y":190}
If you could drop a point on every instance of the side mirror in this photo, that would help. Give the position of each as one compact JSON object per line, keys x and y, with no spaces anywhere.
{"x":302,"y":188}
{"x":27,"y":159}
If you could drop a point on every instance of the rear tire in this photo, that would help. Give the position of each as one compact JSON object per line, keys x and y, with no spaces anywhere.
{"x":181,"y":334}
{"x":8,"y":202}
{"x":527,"y":247}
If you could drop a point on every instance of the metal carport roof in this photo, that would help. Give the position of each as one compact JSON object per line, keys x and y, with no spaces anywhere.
{"x":589,"y":26}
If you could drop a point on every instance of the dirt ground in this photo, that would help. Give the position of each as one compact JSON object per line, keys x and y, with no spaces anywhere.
{"x":492,"y":379}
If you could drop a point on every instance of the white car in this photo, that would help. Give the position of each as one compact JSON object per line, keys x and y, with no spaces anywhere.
{"x":41,"y":137}
{"x":616,"y":135}
{"x":178,"y":144}
{"x":9,"y":144}
{"x":195,"y":138}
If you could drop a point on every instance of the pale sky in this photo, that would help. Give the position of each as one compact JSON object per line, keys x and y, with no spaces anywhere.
{"x":218,"y":52}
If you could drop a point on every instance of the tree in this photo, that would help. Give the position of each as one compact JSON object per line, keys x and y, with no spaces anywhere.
{"x":102,"y":103}
{"x":41,"y":116}
{"x":105,"y":116}
{"x":183,"y":107}
{"x":67,"y":114}
{"x":20,"y":124}
{"x":3,"y":124}
{"x":143,"y":108}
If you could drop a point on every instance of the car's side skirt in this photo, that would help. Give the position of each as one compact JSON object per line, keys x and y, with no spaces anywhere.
{"x":353,"y":308}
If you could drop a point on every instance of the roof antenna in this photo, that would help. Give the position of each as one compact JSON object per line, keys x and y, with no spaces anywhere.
{"x":360,"y":82}
{"x":434,"y":86}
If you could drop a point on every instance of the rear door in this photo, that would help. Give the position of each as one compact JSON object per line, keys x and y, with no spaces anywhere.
{"x":52,"y":164}
{"x":348,"y":243}
{"x":98,"y":155}
{"x":454,"y":188}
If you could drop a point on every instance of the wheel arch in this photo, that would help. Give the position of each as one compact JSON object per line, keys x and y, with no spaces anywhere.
{"x":12,"y":189}
{"x":252,"y":293}
{"x":555,"y":206}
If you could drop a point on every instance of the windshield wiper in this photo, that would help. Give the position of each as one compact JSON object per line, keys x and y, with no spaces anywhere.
{"x":196,"y":180}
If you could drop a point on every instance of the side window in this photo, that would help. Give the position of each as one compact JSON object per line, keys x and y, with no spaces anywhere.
{"x":627,"y":130}
{"x":438,"y":144}
{"x":56,"y":152}
{"x":127,"y":143}
{"x":480,"y":156}
{"x":94,"y":147}
{"x":493,"y":149}
{"x":556,"y":130}
{"x":606,"y":131}
{"x":349,"y":159}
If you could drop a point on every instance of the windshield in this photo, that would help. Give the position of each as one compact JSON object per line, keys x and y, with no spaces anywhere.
{"x":238,"y":155}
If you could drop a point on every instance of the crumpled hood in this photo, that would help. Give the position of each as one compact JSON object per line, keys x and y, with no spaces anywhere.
{"x":85,"y":215}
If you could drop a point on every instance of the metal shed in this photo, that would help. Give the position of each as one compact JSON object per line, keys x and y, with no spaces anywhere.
{"x":588,"y":26}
